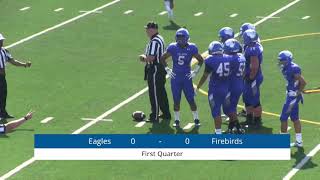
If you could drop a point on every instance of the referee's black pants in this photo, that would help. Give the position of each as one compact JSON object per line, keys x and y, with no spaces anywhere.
{"x":3,"y":95}
{"x":157,"y":92}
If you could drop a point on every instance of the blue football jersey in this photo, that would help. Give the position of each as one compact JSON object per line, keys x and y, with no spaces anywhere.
{"x":220,"y":67}
{"x":289,"y":72}
{"x":238,"y":66}
{"x":182,"y":57}
{"x":255,"y":50}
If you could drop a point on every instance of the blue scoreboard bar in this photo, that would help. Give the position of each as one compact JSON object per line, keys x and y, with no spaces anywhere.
{"x":161,"y":147}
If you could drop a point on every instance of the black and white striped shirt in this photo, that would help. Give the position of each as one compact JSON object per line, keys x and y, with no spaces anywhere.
{"x":4,"y":57}
{"x":155,"y":48}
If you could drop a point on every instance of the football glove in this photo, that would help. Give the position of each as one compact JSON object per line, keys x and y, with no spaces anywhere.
{"x":193,"y":73}
{"x":170,"y":73}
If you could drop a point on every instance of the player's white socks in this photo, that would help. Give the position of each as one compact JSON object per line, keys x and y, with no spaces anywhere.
{"x":218,"y":131}
{"x":299,"y":137}
{"x":170,"y":13}
{"x":195,"y":115}
{"x":177,"y":115}
{"x":169,"y":10}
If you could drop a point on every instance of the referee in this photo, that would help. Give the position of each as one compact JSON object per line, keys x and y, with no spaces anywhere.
{"x":155,"y":74}
{"x":5,"y":56}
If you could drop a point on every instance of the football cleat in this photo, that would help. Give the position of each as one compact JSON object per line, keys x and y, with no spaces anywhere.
{"x":176,"y":123}
{"x":297,"y":144}
{"x":197,"y":123}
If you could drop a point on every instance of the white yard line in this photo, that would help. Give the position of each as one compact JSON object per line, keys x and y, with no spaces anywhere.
{"x":140,"y":124}
{"x":277,"y":12}
{"x":62,"y":24}
{"x":59,"y":9}
{"x":163,"y":13}
{"x":198,"y":14}
{"x":24,"y":8}
{"x":92,"y":119}
{"x":115,"y":108}
{"x":305,"y":17}
{"x":302,"y":163}
{"x":261,"y":17}
{"x":46,"y":120}
{"x":188,"y":126}
{"x":128,"y":12}
{"x":233,"y":15}
{"x":97,"y":12}
{"x":86,"y":126}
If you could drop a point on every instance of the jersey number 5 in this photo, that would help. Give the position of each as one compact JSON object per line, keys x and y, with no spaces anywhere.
{"x":223,"y":69}
{"x":181,"y":60}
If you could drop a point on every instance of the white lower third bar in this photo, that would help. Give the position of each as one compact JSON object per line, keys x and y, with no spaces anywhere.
{"x":162,"y":154}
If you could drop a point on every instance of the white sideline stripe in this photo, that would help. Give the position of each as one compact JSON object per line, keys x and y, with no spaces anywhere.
{"x":188,"y":126}
{"x":97,"y":12}
{"x":59,"y":9}
{"x":163,"y":13}
{"x":25,"y":8}
{"x":30,"y":161}
{"x":18,"y":168}
{"x":92,"y":119}
{"x":140,"y":124}
{"x":302,"y":163}
{"x":128,"y":12}
{"x":305,"y":17}
{"x":233,"y":15}
{"x":261,"y":17}
{"x":61,"y":24}
{"x":46,"y":120}
{"x":198,"y":14}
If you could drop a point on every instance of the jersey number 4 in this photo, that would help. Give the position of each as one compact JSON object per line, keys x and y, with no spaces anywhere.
{"x":223,"y":69}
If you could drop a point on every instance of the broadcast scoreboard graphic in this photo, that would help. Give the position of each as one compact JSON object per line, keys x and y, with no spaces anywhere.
{"x":161,"y":147}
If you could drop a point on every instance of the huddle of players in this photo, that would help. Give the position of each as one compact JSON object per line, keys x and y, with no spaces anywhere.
{"x":234,"y":70}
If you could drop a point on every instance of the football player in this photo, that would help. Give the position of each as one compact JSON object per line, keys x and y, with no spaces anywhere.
{"x":253,"y":77}
{"x":10,"y":126}
{"x":182,"y":52}
{"x":169,"y":7}
{"x":246,"y":26}
{"x":233,"y":48}
{"x":225,"y":33}
{"x":295,"y":86}
{"x":218,"y":66}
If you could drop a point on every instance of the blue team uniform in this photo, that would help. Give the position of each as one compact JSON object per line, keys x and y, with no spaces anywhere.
{"x":181,"y":58}
{"x":236,"y":82}
{"x":220,"y":68}
{"x":291,"y":105}
{"x":251,"y":92}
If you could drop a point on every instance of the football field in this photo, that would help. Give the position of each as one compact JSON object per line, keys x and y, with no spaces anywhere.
{"x":85,"y":72}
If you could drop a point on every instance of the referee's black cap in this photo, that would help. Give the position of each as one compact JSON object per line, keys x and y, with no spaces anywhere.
{"x":151,"y":25}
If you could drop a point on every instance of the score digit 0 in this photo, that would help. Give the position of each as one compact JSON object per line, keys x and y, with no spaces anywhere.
{"x":187,"y":141}
{"x":133,"y":141}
